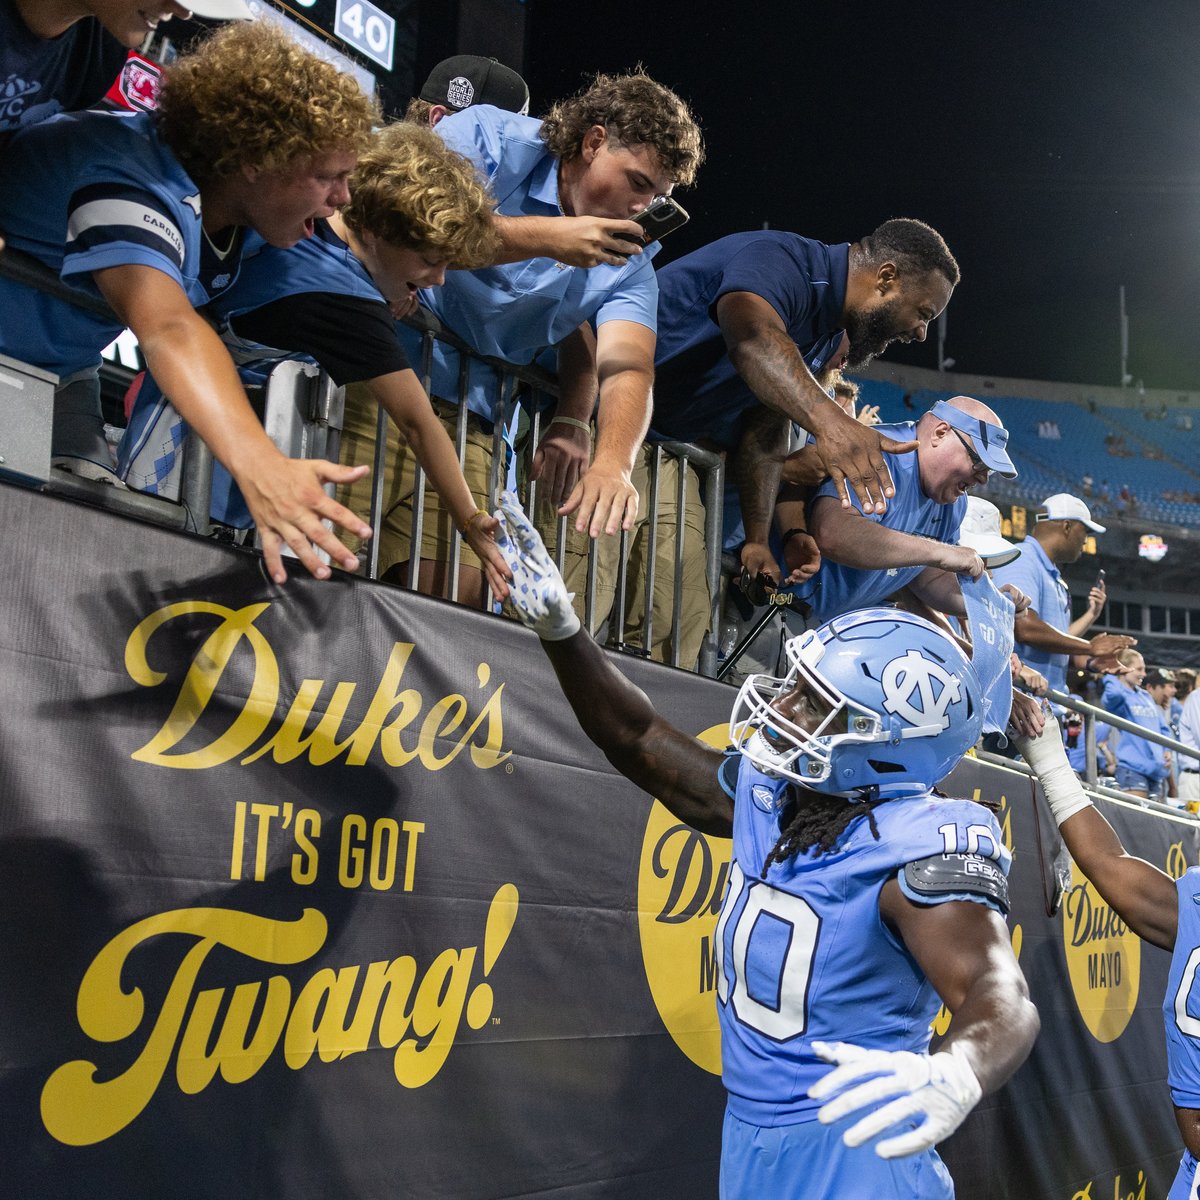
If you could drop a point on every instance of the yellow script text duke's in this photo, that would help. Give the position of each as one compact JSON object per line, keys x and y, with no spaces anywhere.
{"x":391,"y":712}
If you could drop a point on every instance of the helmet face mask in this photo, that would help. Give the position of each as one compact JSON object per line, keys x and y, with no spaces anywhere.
{"x":887,"y":700}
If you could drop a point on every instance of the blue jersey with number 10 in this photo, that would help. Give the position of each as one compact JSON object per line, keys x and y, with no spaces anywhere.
{"x":804,"y":954}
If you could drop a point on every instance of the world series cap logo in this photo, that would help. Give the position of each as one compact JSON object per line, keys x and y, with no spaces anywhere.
{"x":461,"y":92}
{"x":681,"y":883}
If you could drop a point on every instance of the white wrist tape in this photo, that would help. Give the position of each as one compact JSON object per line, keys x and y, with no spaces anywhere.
{"x":1047,"y":755}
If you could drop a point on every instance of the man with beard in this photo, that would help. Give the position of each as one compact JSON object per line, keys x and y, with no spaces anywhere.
{"x":745,"y":326}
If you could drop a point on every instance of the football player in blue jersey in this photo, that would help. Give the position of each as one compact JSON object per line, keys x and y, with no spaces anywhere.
{"x":858,"y":900}
{"x":1162,"y":910}
{"x":149,"y":213}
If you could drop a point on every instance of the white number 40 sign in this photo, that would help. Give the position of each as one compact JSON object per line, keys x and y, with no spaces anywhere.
{"x":368,"y":29}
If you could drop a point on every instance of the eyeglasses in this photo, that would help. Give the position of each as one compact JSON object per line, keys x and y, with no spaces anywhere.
{"x":979,"y":468}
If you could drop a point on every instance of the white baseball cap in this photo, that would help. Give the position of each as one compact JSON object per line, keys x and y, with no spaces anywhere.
{"x":1062,"y":506}
{"x":981,"y":531}
{"x":221,"y":10}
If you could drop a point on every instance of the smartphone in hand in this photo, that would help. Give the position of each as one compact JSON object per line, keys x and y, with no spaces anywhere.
{"x":660,"y":217}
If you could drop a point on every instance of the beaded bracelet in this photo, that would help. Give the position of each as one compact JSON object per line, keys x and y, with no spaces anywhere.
{"x":479,"y":512}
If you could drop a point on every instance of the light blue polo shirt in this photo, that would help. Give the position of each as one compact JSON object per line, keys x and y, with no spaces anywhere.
{"x":1050,"y":598}
{"x":516,"y":310}
{"x":836,"y":588}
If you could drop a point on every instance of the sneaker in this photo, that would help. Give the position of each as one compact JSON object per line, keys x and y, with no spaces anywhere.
{"x":84,"y":468}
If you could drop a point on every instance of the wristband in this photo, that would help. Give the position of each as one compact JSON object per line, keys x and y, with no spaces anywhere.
{"x":791,"y":533}
{"x":572,"y":421}
{"x":479,"y":512}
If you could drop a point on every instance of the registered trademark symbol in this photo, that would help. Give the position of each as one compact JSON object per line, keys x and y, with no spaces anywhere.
{"x":508,"y":768}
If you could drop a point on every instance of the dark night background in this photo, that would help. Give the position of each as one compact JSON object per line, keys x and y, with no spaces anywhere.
{"x":1056,"y":146}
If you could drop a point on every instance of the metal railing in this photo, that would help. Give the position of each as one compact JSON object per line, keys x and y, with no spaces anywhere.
{"x":1091,"y":714}
{"x":529,"y":387}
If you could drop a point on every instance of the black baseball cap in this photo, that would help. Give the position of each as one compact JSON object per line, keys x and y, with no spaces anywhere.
{"x":468,"y":79}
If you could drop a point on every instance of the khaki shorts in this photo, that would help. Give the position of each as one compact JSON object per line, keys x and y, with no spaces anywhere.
{"x":695,"y":598}
{"x":395,"y":534}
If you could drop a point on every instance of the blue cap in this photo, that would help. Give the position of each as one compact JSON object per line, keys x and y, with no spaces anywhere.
{"x":990,"y":441}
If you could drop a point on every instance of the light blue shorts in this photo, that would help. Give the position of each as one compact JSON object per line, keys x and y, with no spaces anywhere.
{"x":1184,"y":1186}
{"x":800,"y":1162}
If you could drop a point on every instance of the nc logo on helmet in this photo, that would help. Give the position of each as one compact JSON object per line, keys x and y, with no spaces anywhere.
{"x":919,"y":690}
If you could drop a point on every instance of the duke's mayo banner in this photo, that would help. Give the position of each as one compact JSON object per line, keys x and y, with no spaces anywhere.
{"x":318,"y":891}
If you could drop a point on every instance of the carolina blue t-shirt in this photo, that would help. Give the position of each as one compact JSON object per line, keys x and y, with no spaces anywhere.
{"x":836,"y":588}
{"x":1137,"y":705}
{"x":698,"y":392}
{"x":81,"y":192}
{"x":803,"y":954}
{"x":515,"y":311}
{"x":43,"y":76}
{"x":1050,"y":598}
{"x":1181,"y":1004}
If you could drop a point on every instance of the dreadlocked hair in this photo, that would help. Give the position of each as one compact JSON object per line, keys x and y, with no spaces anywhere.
{"x":818,"y":823}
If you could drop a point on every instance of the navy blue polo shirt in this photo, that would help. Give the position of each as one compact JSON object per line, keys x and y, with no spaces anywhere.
{"x":698,"y":392}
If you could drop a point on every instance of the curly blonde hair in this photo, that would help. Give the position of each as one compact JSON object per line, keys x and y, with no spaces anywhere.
{"x":410,"y":189}
{"x":249,"y":95}
{"x":636,"y":111}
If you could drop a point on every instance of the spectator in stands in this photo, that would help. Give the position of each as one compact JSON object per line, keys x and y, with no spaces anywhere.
{"x":745,"y":326}
{"x":1189,"y":735}
{"x":253,"y":132}
{"x":65,"y":56}
{"x":1143,"y":767}
{"x":1185,"y":681}
{"x":1046,"y":635}
{"x":566,"y":190}
{"x":1075,"y":737}
{"x":465,"y":79}
{"x":1160,"y":683}
{"x":415,"y":206}
{"x":867,"y":557}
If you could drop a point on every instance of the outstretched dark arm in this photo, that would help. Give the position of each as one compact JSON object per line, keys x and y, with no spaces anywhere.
{"x":676,"y":769}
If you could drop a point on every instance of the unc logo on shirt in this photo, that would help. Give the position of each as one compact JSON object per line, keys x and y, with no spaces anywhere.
{"x":919,"y":689}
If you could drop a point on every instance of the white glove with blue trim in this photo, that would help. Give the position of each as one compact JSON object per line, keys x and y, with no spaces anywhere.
{"x":938,"y":1089}
{"x":538,"y":592}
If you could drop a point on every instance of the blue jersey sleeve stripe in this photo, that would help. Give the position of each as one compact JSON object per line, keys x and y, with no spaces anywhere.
{"x":115,"y":220}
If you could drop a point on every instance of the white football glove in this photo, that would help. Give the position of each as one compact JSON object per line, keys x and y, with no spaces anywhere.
{"x":537,"y":592}
{"x":939,"y":1088}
